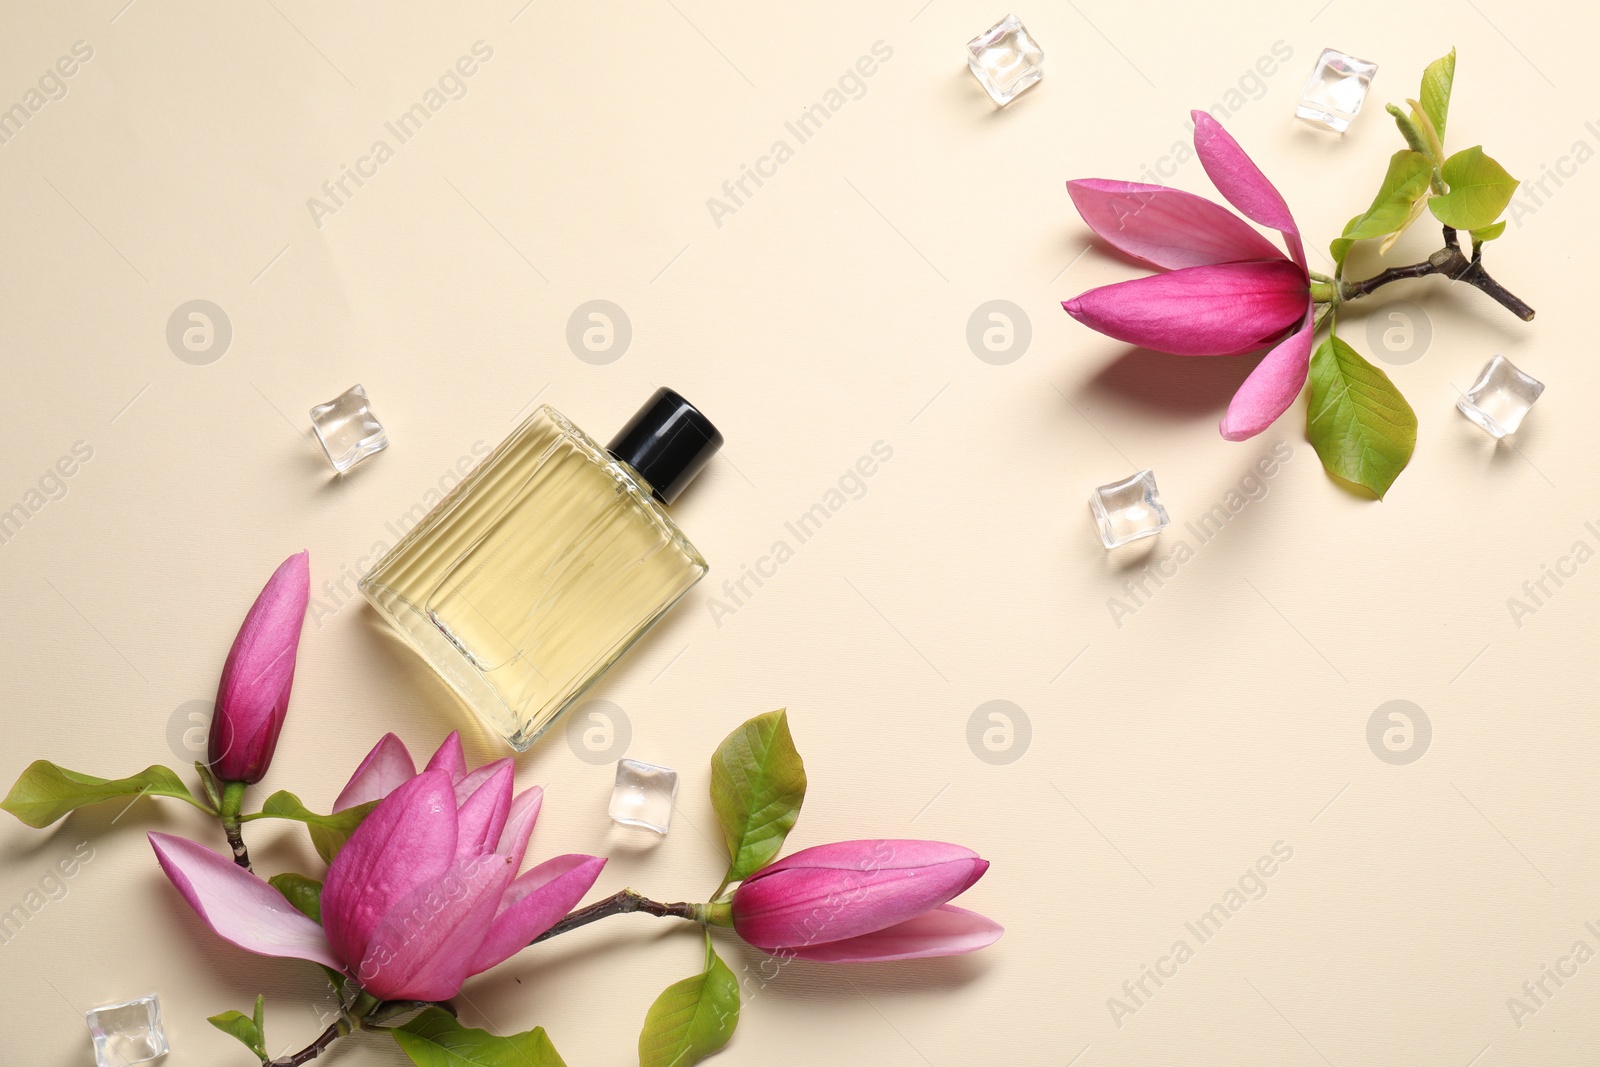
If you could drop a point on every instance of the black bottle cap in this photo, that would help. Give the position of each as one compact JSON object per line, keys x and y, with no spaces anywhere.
{"x":667,"y":441}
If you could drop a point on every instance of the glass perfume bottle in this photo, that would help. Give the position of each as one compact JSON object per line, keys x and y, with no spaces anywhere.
{"x":548,"y":561}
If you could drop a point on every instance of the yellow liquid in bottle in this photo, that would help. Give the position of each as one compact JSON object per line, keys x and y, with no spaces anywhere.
{"x":534,"y":575}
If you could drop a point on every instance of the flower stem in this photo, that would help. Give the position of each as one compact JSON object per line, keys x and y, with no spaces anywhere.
{"x":232,"y":802}
{"x":350,"y":1019}
{"x":621,"y":904}
{"x":1451,"y":262}
{"x":316,"y":1048}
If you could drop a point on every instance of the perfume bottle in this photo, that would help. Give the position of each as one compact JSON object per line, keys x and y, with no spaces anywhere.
{"x":548,"y":561}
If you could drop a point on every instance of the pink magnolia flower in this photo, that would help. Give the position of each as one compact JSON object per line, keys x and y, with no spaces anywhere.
{"x":253,"y":697}
{"x":424,"y":895}
{"x":859,"y":901}
{"x":1227,"y":290}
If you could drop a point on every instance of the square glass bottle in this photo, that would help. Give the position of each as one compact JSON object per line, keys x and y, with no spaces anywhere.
{"x":548,"y":561}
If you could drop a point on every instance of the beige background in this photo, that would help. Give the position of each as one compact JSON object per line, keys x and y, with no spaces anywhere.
{"x":829,"y":312}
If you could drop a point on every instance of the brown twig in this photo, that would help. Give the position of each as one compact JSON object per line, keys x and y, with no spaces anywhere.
{"x":315,"y":1049}
{"x":621,"y":904}
{"x":1451,"y":262}
{"x":241,"y":854}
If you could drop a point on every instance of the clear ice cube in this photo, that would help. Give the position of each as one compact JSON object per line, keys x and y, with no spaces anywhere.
{"x":1333,"y":94}
{"x":1005,"y":59}
{"x":127,"y":1033}
{"x":1128,"y":510}
{"x":643,"y":795}
{"x":347,"y":428}
{"x":1499,"y":400}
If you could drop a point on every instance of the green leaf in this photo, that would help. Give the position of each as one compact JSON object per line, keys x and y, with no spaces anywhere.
{"x":250,"y":1031}
{"x":1436,"y":83}
{"x":691,"y":1019}
{"x":1412,"y":216}
{"x":46,"y":792}
{"x":1480,"y":189}
{"x":1362,"y":428}
{"x":758,"y":783}
{"x":1489,"y":233}
{"x":1405,"y":182}
{"x":436,"y":1038}
{"x":304,"y":893}
{"x":328,"y":832}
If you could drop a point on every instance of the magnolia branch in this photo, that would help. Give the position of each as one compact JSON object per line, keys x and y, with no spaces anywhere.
{"x":367,"y":1013}
{"x":315,"y":1049}
{"x":1451,"y":262}
{"x":241,"y":854}
{"x":621,"y":904}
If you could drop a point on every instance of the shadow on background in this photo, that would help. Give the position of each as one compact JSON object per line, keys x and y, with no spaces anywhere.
{"x":1182,"y":387}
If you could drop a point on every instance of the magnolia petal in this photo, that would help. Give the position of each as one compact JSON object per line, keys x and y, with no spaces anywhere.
{"x":1166,"y":227}
{"x":1237,"y":178}
{"x":1271,"y":387}
{"x":534,"y":903}
{"x":240,"y":907}
{"x":519,"y":825}
{"x":480,"y":820}
{"x":387,"y":767}
{"x":424,"y":947}
{"x":872,"y":854}
{"x":449,"y":758}
{"x":945,"y":931}
{"x":1225,"y":309}
{"x":805,"y":907}
{"x":468,"y":783}
{"x":407,"y":841}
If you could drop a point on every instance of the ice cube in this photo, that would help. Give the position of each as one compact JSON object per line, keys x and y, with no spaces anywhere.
{"x":347,"y":428}
{"x":1128,"y":510}
{"x":1499,"y":400}
{"x":127,"y":1033}
{"x":1333,"y":94}
{"x":643,"y":795}
{"x":1005,"y":59}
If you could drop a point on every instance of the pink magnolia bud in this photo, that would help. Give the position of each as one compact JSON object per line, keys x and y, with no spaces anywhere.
{"x":858,"y":901}
{"x":253,"y":697}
